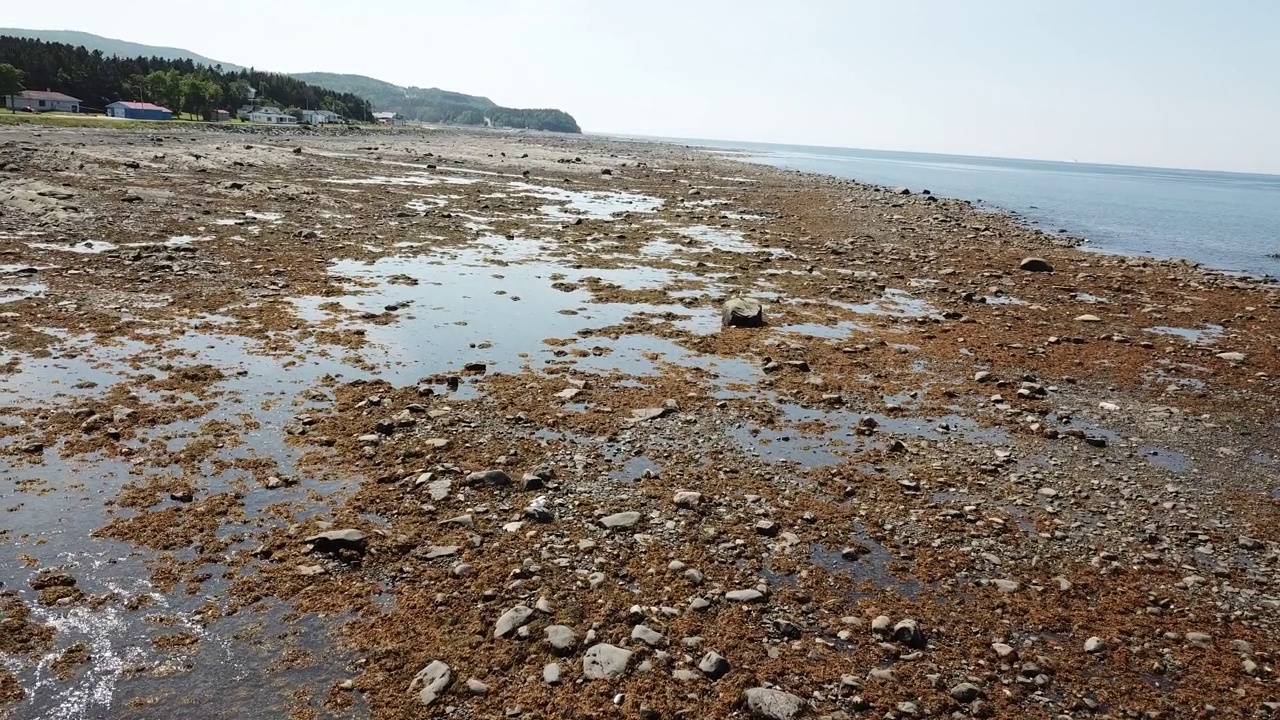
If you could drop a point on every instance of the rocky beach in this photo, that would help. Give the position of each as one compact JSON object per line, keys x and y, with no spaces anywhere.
{"x":479,"y":424}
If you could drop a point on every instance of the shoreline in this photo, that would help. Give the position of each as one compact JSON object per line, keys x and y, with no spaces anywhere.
{"x":393,"y":423}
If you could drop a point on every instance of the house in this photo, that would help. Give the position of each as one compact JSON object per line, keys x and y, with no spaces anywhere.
{"x":320,"y":117}
{"x":43,"y":101}
{"x":221,"y":115}
{"x":388,"y":118}
{"x":271,"y":116}
{"x":138,"y":111}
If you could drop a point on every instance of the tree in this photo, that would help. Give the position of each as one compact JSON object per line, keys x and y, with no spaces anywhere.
{"x":200,"y":94}
{"x":167,"y":88}
{"x":10,"y":81}
{"x":238,"y":93}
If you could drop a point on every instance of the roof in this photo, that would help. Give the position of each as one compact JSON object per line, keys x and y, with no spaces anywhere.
{"x":138,"y":106}
{"x":46,"y":95}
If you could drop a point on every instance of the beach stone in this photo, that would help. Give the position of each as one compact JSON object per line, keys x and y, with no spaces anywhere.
{"x":770,"y":704}
{"x":1035,"y":264}
{"x":1094,"y":645}
{"x":687,"y":499}
{"x":1199,"y":639}
{"x":966,"y":692}
{"x":621,"y":520}
{"x":514,"y":618}
{"x":767,"y":528}
{"x":336,"y":540}
{"x":1006,"y":586}
{"x":908,"y":633}
{"x":1234,"y":357}
{"x":743,"y":312}
{"x":551,"y":674}
{"x":744,"y":596}
{"x":648,"y":636}
{"x":475,"y":687}
{"x":1002,"y":650}
{"x":881,"y":625}
{"x":1088,"y":318}
{"x":713,"y":665}
{"x":604,"y":661}
{"x":431,"y":682}
{"x":562,"y":639}
{"x":495,"y":478}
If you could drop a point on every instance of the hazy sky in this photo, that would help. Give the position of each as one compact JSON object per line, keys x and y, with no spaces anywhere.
{"x":1184,"y":83}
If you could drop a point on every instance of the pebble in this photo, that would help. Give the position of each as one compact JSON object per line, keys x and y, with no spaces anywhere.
{"x":475,"y":687}
{"x":1088,"y":318}
{"x":551,"y":674}
{"x":1002,"y":650}
{"x":908,"y":633}
{"x":495,"y":478}
{"x":966,"y":692}
{"x":744,"y":596}
{"x":1094,"y":644}
{"x":687,"y":499}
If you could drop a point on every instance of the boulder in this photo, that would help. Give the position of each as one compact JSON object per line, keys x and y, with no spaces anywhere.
{"x":496,"y":478}
{"x":1035,"y":264}
{"x":713,"y":665}
{"x":514,"y":618}
{"x":770,"y":704}
{"x":604,"y":662}
{"x":431,"y":682}
{"x":334,"y":541}
{"x":621,"y":520}
{"x":743,"y":312}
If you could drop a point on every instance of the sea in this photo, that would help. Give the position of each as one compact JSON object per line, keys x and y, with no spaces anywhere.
{"x":1226,"y":221}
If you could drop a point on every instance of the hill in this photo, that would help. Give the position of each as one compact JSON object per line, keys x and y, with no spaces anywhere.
{"x":441,"y":106}
{"x":119,"y":48}
{"x":425,"y":104}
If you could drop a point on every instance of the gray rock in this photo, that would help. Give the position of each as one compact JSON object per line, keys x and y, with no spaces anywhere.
{"x":333,"y":541}
{"x":966,"y":692}
{"x":908,"y":633}
{"x":687,"y":499}
{"x":433,"y":552}
{"x":694,"y":576}
{"x":562,"y":639}
{"x":495,"y":478}
{"x":1006,"y":586}
{"x":648,"y":636}
{"x":440,"y":489}
{"x":1094,"y":645}
{"x":699,"y":604}
{"x":1035,"y":264}
{"x":514,"y":618}
{"x":475,"y":687}
{"x":767,"y":528}
{"x":742,"y":312}
{"x":431,"y":682}
{"x":621,"y":520}
{"x":551,"y":674}
{"x":603,"y":662}
{"x":770,"y":704}
{"x":881,"y":625}
{"x":744,"y":596}
{"x":713,"y":665}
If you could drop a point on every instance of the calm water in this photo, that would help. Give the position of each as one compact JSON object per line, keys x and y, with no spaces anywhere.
{"x":1229,"y":221}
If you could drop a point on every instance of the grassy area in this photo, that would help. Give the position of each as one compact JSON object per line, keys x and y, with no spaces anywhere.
{"x":71,"y":120}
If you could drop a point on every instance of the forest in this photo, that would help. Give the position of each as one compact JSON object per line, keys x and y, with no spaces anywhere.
{"x":181,"y":85}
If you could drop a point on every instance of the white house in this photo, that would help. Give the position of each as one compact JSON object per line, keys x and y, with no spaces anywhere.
{"x":388,"y":118}
{"x":320,"y":117}
{"x":271,"y":116}
{"x":42,"y":101}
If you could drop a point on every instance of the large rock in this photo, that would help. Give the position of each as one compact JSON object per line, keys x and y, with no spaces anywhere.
{"x":1035,"y":264}
{"x":908,"y":633}
{"x":621,"y":520}
{"x":496,"y":478}
{"x":769,"y":704}
{"x":333,"y":541}
{"x":744,"y":596}
{"x":743,"y":312}
{"x":431,"y":682}
{"x":562,"y":639}
{"x":604,"y":662}
{"x":514,"y":618}
{"x":713,"y":665}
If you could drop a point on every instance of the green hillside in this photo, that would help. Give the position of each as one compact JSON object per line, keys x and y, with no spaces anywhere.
{"x":119,"y":48}
{"x":442,"y":106}
{"x":425,"y":104}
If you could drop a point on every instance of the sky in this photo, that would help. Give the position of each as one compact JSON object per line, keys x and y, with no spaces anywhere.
{"x":1169,"y":83}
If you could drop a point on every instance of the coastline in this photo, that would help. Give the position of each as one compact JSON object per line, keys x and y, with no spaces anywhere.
{"x":514,"y":391}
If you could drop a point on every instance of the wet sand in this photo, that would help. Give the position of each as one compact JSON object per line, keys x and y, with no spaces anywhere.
{"x":491,"y":366}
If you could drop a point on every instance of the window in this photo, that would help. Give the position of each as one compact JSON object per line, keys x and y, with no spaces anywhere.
{"x":41,"y":103}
